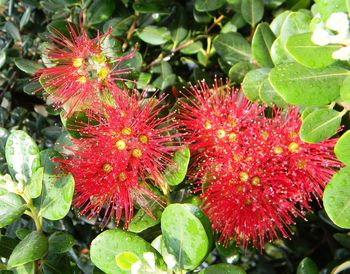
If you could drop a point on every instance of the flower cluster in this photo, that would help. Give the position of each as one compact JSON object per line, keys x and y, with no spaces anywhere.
{"x":255,"y":172}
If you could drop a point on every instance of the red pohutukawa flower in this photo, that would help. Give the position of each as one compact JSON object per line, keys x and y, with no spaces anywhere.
{"x":256,"y":173}
{"x":84,"y":70}
{"x":129,"y":145}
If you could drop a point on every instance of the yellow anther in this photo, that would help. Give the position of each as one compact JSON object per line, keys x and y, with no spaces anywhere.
{"x":243,"y":176}
{"x":207,"y":125}
{"x":293,"y":147}
{"x":256,"y":181}
{"x":136,"y":152}
{"x":232,"y":122}
{"x":232,"y":136}
{"x":82,"y":79}
{"x":107,"y":168}
{"x":220,"y":133}
{"x":120,"y":144}
{"x":126,"y":131}
{"x":102,"y":73}
{"x":301,"y":164}
{"x":99,"y":58}
{"x":248,"y":202}
{"x":265,"y":135}
{"x":293,"y":134}
{"x":77,"y":62}
{"x":278,"y":150}
{"x":143,"y":139}
{"x":122,"y":176}
{"x":237,"y":157}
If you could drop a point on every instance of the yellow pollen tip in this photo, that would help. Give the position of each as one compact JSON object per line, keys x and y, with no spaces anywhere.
{"x":82,"y":79}
{"x":221,"y":133}
{"x":278,"y":150}
{"x":232,"y":122}
{"x":301,"y":164}
{"x":293,"y":134}
{"x":77,"y":62}
{"x":99,"y":58}
{"x":256,"y":181}
{"x":143,"y":139}
{"x":122,"y":176}
{"x":136,"y":152}
{"x":126,"y":131}
{"x":120,"y":144}
{"x":293,"y":147}
{"x":265,"y":135}
{"x":102,"y":73}
{"x":232,"y":136}
{"x":107,"y":168}
{"x":207,"y":125}
{"x":243,"y":176}
{"x":248,"y":202}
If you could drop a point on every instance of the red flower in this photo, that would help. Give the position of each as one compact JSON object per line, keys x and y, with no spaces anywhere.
{"x":255,"y":183}
{"x":84,"y":72}
{"x":129,"y":145}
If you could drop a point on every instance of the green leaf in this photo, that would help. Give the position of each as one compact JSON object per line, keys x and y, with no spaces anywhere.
{"x":208,"y":5}
{"x":22,"y":154}
{"x":261,"y":45}
{"x":28,"y":268}
{"x":306,"y":53}
{"x":60,"y":242}
{"x":110,"y":244}
{"x":57,"y":189}
{"x":300,"y":85}
{"x":320,"y":124}
{"x":307,"y":266}
{"x":142,"y":220}
{"x":120,"y":25}
{"x":100,"y":11}
{"x":278,"y":53}
{"x":12,"y":30}
{"x":155,"y":35}
{"x":27,"y":66}
{"x":57,"y":264}
{"x":252,"y":11}
{"x":223,"y":269}
{"x":232,"y":47}
{"x":277,"y":22}
{"x":336,"y":198}
{"x":343,"y":239}
{"x":186,"y":234}
{"x":11,"y":208}
{"x":295,"y":23}
{"x":33,"y":247}
{"x":345,"y":90}
{"x":342,"y":148}
{"x":22,"y":233}
{"x":239,"y":70}
{"x":35,"y":185}
{"x":153,"y":6}
{"x":192,"y":48}
{"x":253,"y":81}
{"x":326,"y":7}
{"x":126,"y":259}
{"x":269,"y":96}
{"x":7,"y":245}
{"x":174,"y":175}
{"x":178,"y":28}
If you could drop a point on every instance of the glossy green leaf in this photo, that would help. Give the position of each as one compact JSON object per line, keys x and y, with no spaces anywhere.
{"x":342,"y":148}
{"x":175,"y":174}
{"x":126,"y":259}
{"x":60,"y":242}
{"x":120,"y":25}
{"x":223,"y":269}
{"x":58,"y":264}
{"x":261,"y":45}
{"x":269,"y":96}
{"x":142,"y":220}
{"x":22,"y":154}
{"x":278,"y":53}
{"x":345,"y":90}
{"x":336,"y":198}
{"x":7,"y":245}
{"x":238,"y":71}
{"x":306,"y":53}
{"x":326,"y":7}
{"x":100,"y":11}
{"x":35,"y":185}
{"x":252,"y":11}
{"x":278,"y":21}
{"x":57,"y":190}
{"x":186,"y":234}
{"x":295,"y":23}
{"x":307,"y":266}
{"x":178,"y":28}
{"x":33,"y":247}
{"x":28,"y":268}
{"x":27,"y":66}
{"x":11,"y":208}
{"x":253,"y":82}
{"x":343,"y":239}
{"x":155,"y":35}
{"x":232,"y":47}
{"x":110,"y":244}
{"x":208,"y":5}
{"x":22,"y":233}
{"x":192,"y":48}
{"x":320,"y":124}
{"x":304,"y":86}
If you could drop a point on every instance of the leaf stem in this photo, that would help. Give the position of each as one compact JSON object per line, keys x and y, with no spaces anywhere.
{"x":32,"y":212}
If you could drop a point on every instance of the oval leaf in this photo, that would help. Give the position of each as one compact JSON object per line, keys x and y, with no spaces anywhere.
{"x":208,"y":5}
{"x":261,"y":45}
{"x":253,"y":81}
{"x":307,"y":266}
{"x":342,"y":148}
{"x":60,"y":242}
{"x":11,"y":208}
{"x":223,"y":269}
{"x":176,"y":174}
{"x":252,"y":11}
{"x":155,"y":35}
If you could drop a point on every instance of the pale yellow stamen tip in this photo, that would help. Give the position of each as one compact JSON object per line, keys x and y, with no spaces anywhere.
{"x":143,"y":139}
{"x":82,"y":79}
{"x":221,"y":133}
{"x":107,"y":168}
{"x":102,"y":73}
{"x":256,"y":181}
{"x":232,"y":136}
{"x":301,"y":164}
{"x":293,"y":147}
{"x":77,"y":62}
{"x":278,"y":150}
{"x":136,"y":152}
{"x":243,"y":176}
{"x":126,"y":131}
{"x":248,"y":202}
{"x":122,"y":177}
{"x":265,"y":135}
{"x":121,"y":145}
{"x":207,"y":125}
